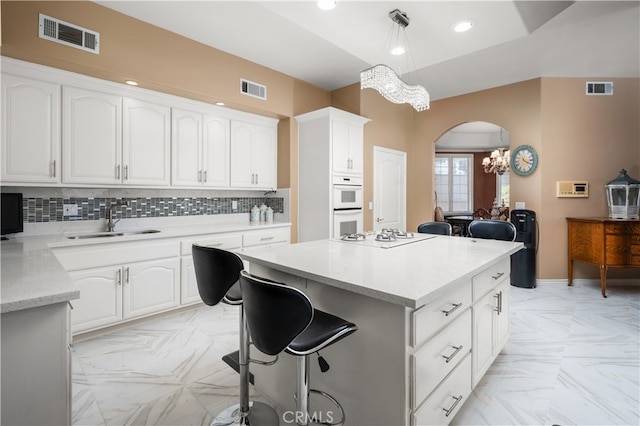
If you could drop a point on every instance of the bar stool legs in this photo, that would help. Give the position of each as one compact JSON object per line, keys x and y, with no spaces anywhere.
{"x":303,"y":416}
{"x":246,"y":413}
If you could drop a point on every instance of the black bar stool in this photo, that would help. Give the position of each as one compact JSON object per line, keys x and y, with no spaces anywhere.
{"x":282,"y":318}
{"x":217,"y":273}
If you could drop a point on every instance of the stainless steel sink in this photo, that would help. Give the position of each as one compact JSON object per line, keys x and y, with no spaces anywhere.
{"x":94,"y":235}
{"x":144,"y":231}
{"x":111,"y":234}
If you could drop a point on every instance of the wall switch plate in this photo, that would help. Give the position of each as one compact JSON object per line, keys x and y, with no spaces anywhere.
{"x":234,"y":205}
{"x":520,"y":205}
{"x":370,"y":205}
{"x":69,"y":210}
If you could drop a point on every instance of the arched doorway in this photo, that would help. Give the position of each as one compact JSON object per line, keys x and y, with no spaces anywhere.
{"x":461,"y":184}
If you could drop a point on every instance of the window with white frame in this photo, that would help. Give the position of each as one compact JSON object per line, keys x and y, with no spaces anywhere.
{"x":454,"y":182}
{"x":502,"y":189}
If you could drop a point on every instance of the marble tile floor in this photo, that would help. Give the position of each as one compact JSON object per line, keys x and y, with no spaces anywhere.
{"x":573,"y":359}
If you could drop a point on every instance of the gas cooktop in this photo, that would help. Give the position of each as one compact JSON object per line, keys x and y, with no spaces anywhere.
{"x":387,"y":238}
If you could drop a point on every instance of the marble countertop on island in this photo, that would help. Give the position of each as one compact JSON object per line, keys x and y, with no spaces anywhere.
{"x":411,"y":275}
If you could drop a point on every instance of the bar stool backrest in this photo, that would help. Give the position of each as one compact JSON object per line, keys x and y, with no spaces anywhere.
{"x":439,"y":228}
{"x":217,"y":271}
{"x":276,"y":313}
{"x":492,"y":230}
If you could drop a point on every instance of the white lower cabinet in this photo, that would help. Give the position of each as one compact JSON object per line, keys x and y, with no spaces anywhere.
{"x":491,"y":324}
{"x":115,"y":293}
{"x":454,"y":341}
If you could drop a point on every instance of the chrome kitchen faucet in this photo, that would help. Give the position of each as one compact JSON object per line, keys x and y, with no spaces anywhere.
{"x":111,"y":224}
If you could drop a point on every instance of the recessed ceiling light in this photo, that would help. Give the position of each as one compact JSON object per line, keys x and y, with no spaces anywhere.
{"x":326,"y":4}
{"x":131,"y":83}
{"x":220,"y":103}
{"x":462,"y":26}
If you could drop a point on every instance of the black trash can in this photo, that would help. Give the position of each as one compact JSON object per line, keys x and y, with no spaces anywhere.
{"x":523,"y":263}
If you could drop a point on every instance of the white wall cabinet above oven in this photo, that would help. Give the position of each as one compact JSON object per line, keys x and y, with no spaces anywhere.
{"x":330,"y":152}
{"x":30,"y":130}
{"x":108,"y":139}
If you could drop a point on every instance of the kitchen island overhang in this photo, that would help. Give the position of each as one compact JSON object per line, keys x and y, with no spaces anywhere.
{"x":412,"y":304}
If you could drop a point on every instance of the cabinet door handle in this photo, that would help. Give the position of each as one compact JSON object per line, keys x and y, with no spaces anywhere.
{"x":200,"y":176}
{"x":257,"y":179}
{"x":450,"y":357}
{"x":450,"y":311}
{"x":205,"y":175}
{"x":267,"y":238}
{"x":253,"y":178}
{"x":126,"y":172}
{"x":453,"y":407}
{"x":498,"y":275}
{"x":53,"y":172}
{"x":126,"y":270}
{"x":498,"y":296}
{"x":119,"y":277}
{"x":118,"y":172}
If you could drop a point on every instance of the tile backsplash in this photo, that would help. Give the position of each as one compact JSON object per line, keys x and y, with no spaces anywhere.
{"x":43,"y":209}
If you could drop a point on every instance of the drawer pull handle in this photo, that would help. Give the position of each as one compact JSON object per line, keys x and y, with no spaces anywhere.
{"x":267,"y":238}
{"x":453,"y":407}
{"x":450,"y":357}
{"x":498,"y":275}
{"x":119,"y":277}
{"x":450,"y":311}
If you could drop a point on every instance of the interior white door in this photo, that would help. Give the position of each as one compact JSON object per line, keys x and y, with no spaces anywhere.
{"x":389,"y":189}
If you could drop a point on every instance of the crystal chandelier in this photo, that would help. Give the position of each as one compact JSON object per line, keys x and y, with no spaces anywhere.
{"x":386,"y":81}
{"x":498,"y":162}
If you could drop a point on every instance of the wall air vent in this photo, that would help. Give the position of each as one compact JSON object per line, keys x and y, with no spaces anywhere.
{"x":255,"y":90}
{"x":68,"y":34}
{"x":599,"y":88}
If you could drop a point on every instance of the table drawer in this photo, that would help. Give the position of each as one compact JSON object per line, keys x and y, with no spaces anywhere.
{"x":222,"y":241}
{"x":622,"y":228}
{"x":439,"y":356}
{"x":445,"y":402}
{"x":428,"y":319}
{"x":491,"y":277}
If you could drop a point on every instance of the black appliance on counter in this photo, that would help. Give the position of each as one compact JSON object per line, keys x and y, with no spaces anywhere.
{"x":523,"y":262}
{"x":11,"y":217}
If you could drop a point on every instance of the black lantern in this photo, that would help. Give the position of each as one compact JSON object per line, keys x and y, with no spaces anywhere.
{"x":623,"y":197}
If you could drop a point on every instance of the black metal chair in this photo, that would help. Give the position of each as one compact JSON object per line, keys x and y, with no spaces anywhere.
{"x":217,"y":274}
{"x":439,"y":228}
{"x":282,"y":318}
{"x":492,"y":230}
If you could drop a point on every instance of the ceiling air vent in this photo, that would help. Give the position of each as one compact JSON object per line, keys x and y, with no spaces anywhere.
{"x":599,"y":88}
{"x":68,"y":34}
{"x":255,"y":90}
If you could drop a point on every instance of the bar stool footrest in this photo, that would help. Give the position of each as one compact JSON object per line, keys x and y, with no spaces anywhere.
{"x":336,"y":403}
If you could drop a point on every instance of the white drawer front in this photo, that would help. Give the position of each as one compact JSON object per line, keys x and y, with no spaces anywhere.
{"x":490,"y":278}
{"x":428,"y":319}
{"x":438,"y":357}
{"x":267,"y":237}
{"x":221,"y":241}
{"x":445,"y":402}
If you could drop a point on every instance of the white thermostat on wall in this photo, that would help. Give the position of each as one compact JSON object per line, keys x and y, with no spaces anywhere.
{"x":572,"y":189}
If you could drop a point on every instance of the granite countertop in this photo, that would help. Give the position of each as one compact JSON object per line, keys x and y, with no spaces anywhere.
{"x":32,"y":276}
{"x":411,"y":275}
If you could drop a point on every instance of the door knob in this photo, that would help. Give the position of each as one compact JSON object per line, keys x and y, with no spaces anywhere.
{"x":379,"y":219}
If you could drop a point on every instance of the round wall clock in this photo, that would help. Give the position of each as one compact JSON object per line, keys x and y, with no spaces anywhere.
{"x":524,"y":160}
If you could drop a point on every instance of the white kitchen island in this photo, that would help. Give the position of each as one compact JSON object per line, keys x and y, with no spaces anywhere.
{"x":432,"y":316}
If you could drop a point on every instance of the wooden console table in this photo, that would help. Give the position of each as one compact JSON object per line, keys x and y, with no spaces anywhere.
{"x":605,"y":242}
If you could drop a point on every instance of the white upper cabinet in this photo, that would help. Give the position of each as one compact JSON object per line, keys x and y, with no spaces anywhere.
{"x":91,"y":137}
{"x":347,"y":146}
{"x":30,"y":130}
{"x":108,"y":139}
{"x":146,"y":143}
{"x":200,"y":149}
{"x":253,"y":155}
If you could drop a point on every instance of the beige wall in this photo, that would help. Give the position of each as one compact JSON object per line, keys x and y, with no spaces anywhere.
{"x":576,"y":137}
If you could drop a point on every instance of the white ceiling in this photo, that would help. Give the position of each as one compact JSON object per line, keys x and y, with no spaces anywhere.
{"x":511,"y":41}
